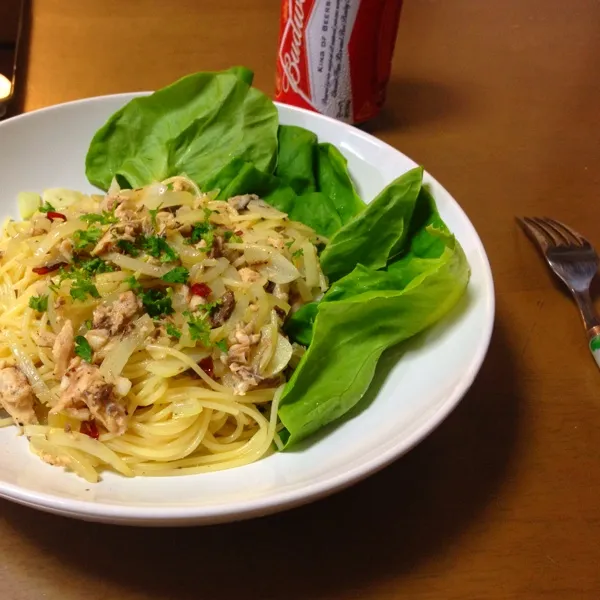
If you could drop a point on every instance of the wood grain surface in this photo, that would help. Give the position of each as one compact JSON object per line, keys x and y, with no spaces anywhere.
{"x":501,"y":102}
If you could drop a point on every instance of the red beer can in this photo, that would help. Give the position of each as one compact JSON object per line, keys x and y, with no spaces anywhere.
{"x":335,"y":56}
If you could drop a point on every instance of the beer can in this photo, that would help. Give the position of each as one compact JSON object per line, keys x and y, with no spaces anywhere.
{"x":335,"y":56}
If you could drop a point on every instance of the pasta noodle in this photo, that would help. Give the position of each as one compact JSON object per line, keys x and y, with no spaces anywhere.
{"x":141,"y":331}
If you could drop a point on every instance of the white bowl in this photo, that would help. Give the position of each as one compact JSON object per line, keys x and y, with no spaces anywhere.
{"x":415,"y":388}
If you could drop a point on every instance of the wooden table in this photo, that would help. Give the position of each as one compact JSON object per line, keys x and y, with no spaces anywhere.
{"x":501,"y":102}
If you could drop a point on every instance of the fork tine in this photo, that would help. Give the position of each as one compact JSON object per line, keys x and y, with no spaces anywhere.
{"x":535,"y":232}
{"x":563,"y":236}
{"x":568,"y":232}
{"x":557,"y":239}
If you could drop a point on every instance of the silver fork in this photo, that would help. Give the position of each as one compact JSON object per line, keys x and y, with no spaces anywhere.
{"x":573,"y":259}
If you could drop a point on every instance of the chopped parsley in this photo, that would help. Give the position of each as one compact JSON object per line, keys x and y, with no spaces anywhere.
{"x":105,"y":218}
{"x":80,"y":288}
{"x":210,"y":306}
{"x":209,"y":238}
{"x":157,"y":302}
{"x":153,"y":212}
{"x":222,"y":345}
{"x":176,"y":275}
{"x":82,"y":285}
{"x":84,"y":238}
{"x":39,"y":303}
{"x":128,"y":248}
{"x":232,"y":237}
{"x":46,"y":207}
{"x":93,"y":266}
{"x":83,"y":348}
{"x":298,"y":253}
{"x":134,"y":284}
{"x":289,"y":244}
{"x":173,"y":331}
{"x":157,"y":247}
{"x":199,"y":328}
{"x":203,"y":231}
{"x":88,"y":324}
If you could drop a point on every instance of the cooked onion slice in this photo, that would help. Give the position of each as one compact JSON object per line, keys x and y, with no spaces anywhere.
{"x":135,"y":264}
{"x":117,"y":358}
{"x":271,"y":264}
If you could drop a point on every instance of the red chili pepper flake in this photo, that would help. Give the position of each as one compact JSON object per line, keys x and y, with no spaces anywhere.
{"x":52,"y":215}
{"x":90,"y":429}
{"x":239,"y":232}
{"x":48,"y":269}
{"x":201,"y":289}
{"x":207,"y":365}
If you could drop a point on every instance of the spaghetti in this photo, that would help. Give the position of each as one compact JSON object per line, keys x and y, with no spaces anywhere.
{"x":141,"y":331}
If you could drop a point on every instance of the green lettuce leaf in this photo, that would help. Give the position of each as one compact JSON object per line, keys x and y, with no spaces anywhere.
{"x":334,"y":181}
{"x":377,"y":233}
{"x":313,"y":209}
{"x":426,"y":239}
{"x":311,"y":183}
{"x":350,"y":333}
{"x":194,"y":126}
{"x":364,"y":313}
{"x":317,"y":211}
{"x":296,"y":158}
{"x":241,"y":177}
{"x":307,"y":166}
{"x":299,"y":326}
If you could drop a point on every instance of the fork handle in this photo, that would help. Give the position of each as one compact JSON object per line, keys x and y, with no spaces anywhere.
{"x":595,"y":348}
{"x":590,"y":321}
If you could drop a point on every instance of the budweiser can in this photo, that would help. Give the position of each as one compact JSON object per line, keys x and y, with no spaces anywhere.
{"x":335,"y":56}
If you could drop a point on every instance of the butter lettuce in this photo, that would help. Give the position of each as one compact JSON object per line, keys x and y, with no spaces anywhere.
{"x":377,"y":233}
{"x":333,"y":180}
{"x":364,"y":313}
{"x":194,"y":126}
{"x":350,"y":334}
{"x":296,"y":157}
{"x":311,"y":182}
{"x":308,"y":166}
{"x":314,"y":209}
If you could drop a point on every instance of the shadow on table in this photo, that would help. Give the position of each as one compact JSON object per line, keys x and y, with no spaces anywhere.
{"x":398,"y":519}
{"x":413,"y":102}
